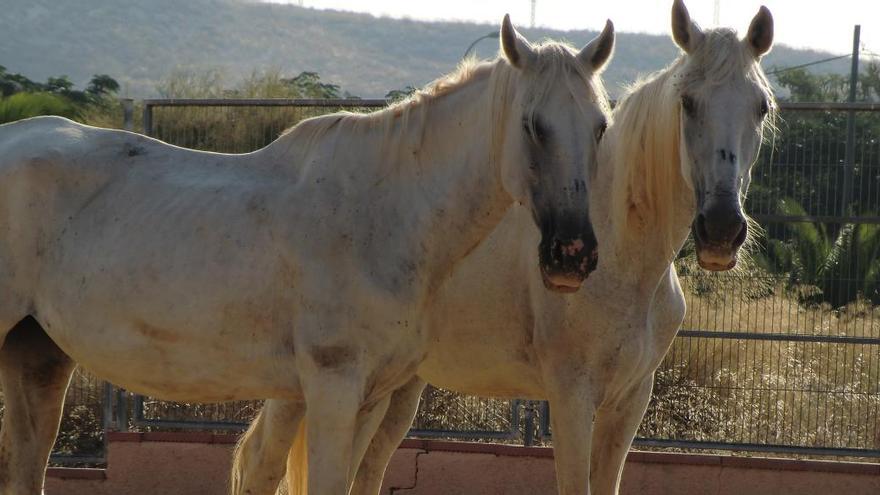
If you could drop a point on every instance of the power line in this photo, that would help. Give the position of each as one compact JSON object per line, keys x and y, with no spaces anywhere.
{"x":801,"y":66}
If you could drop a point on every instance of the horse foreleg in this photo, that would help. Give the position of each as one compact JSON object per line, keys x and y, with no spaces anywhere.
{"x":368,"y":422}
{"x":260,"y":457}
{"x":34,"y":373}
{"x":572,"y":407}
{"x":332,"y":404}
{"x":396,"y":423}
{"x":615,"y":427}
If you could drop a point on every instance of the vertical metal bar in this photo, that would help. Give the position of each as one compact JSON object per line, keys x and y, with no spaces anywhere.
{"x":107,"y":403}
{"x":529,"y":433}
{"x":138,"y":408}
{"x":148,"y":119}
{"x":514,"y":417}
{"x":128,"y":114}
{"x":544,"y":424}
{"x":849,"y":163}
{"x":107,"y":420}
{"x":121,"y":410}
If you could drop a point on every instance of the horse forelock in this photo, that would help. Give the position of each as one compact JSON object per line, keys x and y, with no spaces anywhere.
{"x":556,"y":62}
{"x":643,"y":147}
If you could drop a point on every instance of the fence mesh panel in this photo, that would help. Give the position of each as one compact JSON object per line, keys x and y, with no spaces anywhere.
{"x":784,"y":353}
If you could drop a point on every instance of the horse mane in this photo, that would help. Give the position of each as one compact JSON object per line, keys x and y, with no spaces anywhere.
{"x":643,"y":148}
{"x":406,"y":120}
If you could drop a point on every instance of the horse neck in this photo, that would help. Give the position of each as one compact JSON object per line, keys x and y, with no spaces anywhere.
{"x":454,"y":177}
{"x":429,"y":178}
{"x":637,"y":241}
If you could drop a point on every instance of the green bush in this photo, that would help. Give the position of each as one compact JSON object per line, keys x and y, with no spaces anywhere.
{"x":25,"y":105}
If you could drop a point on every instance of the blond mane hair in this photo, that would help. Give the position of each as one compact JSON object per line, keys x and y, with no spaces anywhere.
{"x":406,"y":121}
{"x":644,"y":149}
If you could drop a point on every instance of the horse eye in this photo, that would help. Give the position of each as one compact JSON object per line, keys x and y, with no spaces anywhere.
{"x":540,"y":133}
{"x":601,"y":131}
{"x":765,"y":108}
{"x":688,"y":104}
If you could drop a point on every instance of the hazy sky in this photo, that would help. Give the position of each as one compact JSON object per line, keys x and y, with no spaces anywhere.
{"x":818,"y":24}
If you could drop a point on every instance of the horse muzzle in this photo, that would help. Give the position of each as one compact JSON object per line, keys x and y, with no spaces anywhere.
{"x":717,"y":240}
{"x":565,"y":264}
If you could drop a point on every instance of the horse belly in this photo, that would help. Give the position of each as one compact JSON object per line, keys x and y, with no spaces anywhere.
{"x":188,"y":363}
{"x":199,"y":330}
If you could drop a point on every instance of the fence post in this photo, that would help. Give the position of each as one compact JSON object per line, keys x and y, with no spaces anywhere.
{"x":148,"y":119}
{"x":529,"y":433}
{"x":107,"y":403}
{"x":121,"y":410}
{"x":128,"y":114}
{"x":544,"y":423}
{"x":850,"y":159}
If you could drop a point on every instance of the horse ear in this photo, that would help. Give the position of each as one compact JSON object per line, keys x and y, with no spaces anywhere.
{"x":685,"y":32}
{"x":597,"y":52}
{"x":760,"y":36}
{"x":516,"y":49}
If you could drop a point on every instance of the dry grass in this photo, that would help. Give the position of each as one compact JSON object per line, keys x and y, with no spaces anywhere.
{"x":769,"y":391}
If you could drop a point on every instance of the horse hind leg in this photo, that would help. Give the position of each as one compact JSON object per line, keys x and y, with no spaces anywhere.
{"x":34,"y":374}
{"x":395,"y":424}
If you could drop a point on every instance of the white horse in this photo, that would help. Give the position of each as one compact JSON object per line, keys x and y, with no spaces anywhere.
{"x":677,"y":156}
{"x":300,"y":271}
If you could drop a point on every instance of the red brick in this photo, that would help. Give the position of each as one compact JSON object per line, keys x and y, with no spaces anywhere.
{"x":76,"y":473}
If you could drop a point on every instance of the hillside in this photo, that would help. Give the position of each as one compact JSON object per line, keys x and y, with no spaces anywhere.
{"x":140,"y":42}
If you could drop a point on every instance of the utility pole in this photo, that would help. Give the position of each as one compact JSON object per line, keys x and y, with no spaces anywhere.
{"x":716,"y":18}
{"x":533,"y":13}
{"x":850,"y":158}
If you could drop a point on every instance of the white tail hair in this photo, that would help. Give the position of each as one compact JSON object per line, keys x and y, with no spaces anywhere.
{"x":297,"y":465}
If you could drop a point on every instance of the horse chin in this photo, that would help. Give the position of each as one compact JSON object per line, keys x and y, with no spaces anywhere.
{"x":716,"y":259}
{"x":565,"y":283}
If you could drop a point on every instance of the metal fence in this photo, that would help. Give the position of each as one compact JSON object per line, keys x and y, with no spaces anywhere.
{"x":783,"y":356}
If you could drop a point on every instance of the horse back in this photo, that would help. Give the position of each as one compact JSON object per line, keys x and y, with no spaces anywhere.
{"x":66,"y":186}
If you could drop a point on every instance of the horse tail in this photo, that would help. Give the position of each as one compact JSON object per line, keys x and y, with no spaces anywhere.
{"x":239,"y":454}
{"x":298,"y":464}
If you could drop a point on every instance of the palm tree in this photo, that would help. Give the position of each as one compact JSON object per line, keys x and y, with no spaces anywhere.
{"x":823,"y":265}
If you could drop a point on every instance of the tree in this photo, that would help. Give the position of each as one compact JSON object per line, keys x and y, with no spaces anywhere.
{"x":16,"y":83}
{"x":60,"y":84}
{"x":803,"y":174}
{"x":400,"y":94}
{"x":824,"y":265}
{"x":102,"y":85}
{"x":869,"y":81}
{"x":803,"y":85}
{"x":309,"y":85}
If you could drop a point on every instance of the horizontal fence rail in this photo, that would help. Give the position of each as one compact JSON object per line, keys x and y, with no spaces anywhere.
{"x":783,"y":356}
